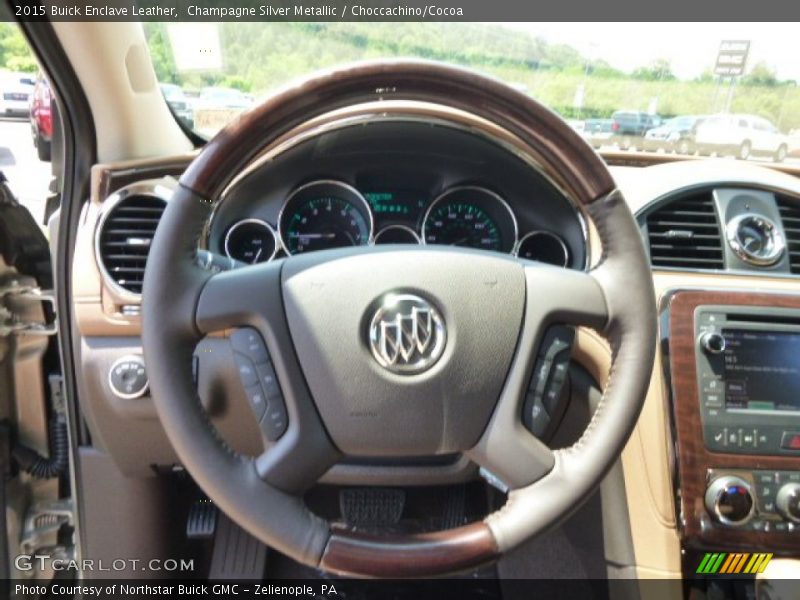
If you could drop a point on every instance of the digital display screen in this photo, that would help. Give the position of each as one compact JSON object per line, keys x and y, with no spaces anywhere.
{"x":405,"y":205}
{"x":762,"y":370}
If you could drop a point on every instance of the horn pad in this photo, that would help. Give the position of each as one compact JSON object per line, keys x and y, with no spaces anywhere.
{"x":405,"y":352}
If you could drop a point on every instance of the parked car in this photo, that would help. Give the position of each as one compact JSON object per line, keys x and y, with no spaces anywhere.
{"x":674,"y":135}
{"x":179,"y":103}
{"x":577,"y":124}
{"x":15,"y":94}
{"x":741,"y":136}
{"x":629,"y":126}
{"x":598,"y":132}
{"x":41,"y":117}
{"x":223,"y":98}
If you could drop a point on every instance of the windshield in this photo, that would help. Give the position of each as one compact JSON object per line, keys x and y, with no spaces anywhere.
{"x":612,"y":81}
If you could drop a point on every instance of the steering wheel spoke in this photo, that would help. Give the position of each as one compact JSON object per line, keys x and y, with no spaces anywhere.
{"x":248,"y":300}
{"x":563,"y":296}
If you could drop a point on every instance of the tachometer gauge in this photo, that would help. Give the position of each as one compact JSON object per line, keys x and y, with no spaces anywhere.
{"x":251,"y":241}
{"x":322,"y":215}
{"x":472,"y":217}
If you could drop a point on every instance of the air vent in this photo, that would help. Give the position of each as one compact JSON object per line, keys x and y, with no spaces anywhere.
{"x":790,"y":216}
{"x":684,"y":233}
{"x":124,"y":239}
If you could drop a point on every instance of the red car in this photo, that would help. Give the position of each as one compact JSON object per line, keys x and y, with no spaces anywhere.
{"x":41,"y":116}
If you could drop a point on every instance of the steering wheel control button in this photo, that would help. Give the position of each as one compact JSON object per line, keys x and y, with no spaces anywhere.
{"x":730,"y":501}
{"x":247,"y":371}
{"x":127,"y":377}
{"x":546,"y":389}
{"x":260,"y":382}
{"x":257,"y":400}
{"x":248,"y":341}
{"x":535,"y":415}
{"x":274,"y":421}
{"x":268,"y":380}
{"x":407,"y":334}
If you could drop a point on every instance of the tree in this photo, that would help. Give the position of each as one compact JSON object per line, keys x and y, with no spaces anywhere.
{"x":761,"y":74}
{"x":14,"y":52}
{"x":658,"y":70}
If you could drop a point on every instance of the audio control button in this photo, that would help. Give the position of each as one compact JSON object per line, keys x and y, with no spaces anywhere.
{"x":713,"y":342}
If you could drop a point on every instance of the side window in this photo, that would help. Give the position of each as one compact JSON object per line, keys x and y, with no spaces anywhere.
{"x":744,"y":124}
{"x":26,"y":123}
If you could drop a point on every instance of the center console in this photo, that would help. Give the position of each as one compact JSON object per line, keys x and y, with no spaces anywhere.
{"x":734,"y":367}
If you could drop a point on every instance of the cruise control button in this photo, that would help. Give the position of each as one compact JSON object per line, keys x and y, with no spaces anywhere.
{"x":257,"y":400}
{"x":248,"y":341}
{"x":557,"y":339}
{"x":274,"y":421}
{"x":560,"y":370}
{"x":266,"y":375}
{"x":247,"y":372}
{"x":535,"y":418}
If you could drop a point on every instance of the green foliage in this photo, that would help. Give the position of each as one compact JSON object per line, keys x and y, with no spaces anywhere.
{"x":14,"y":52}
{"x":259,"y":57}
{"x":658,"y":70}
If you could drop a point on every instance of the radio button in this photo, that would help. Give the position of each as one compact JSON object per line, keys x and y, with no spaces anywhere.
{"x":716,"y":438}
{"x":766,"y":477}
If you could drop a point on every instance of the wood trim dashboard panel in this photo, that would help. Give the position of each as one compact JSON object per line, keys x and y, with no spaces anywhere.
{"x":693,"y":458}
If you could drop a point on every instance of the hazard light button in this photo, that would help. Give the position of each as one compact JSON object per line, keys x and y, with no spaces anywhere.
{"x":791,"y":440}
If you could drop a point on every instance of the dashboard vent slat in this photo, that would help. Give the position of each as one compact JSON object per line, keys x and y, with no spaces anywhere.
{"x":790,"y":215}
{"x":125,"y":237}
{"x":685,"y":233}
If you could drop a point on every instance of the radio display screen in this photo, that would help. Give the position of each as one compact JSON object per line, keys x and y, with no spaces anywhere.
{"x":762,"y":370}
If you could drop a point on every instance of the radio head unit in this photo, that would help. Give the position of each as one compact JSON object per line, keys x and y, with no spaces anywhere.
{"x":748,"y":369}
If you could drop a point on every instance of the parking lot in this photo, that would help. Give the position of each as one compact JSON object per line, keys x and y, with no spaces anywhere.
{"x":28,"y":177}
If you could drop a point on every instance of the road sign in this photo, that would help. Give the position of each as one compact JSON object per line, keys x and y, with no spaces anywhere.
{"x":732,"y":58}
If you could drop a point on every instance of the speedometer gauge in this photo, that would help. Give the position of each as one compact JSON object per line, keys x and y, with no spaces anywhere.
{"x":472,"y":217}
{"x":322,"y":215}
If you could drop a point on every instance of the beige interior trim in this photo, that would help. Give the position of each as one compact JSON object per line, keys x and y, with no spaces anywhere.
{"x":645,"y":465}
{"x":112,"y":62}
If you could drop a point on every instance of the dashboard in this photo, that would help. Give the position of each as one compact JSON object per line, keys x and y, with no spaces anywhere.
{"x":397,"y":183}
{"x":415,"y":182}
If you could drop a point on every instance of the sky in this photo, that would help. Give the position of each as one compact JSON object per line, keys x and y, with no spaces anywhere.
{"x":691,"y":48}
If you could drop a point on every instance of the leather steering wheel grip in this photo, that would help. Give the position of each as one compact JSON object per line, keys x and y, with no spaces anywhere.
{"x":173,"y":285}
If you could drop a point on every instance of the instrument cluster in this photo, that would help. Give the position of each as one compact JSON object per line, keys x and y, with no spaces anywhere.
{"x":396,"y":182}
{"x":327,"y":213}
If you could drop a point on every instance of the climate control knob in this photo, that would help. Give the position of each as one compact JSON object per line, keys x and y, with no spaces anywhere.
{"x":730,"y":500}
{"x":788,"y":501}
{"x":713,"y":342}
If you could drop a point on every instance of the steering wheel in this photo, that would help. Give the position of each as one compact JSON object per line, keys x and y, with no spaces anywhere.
{"x":477,"y":319}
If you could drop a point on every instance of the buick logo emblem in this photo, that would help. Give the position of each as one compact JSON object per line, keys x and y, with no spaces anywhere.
{"x":406,"y":334}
